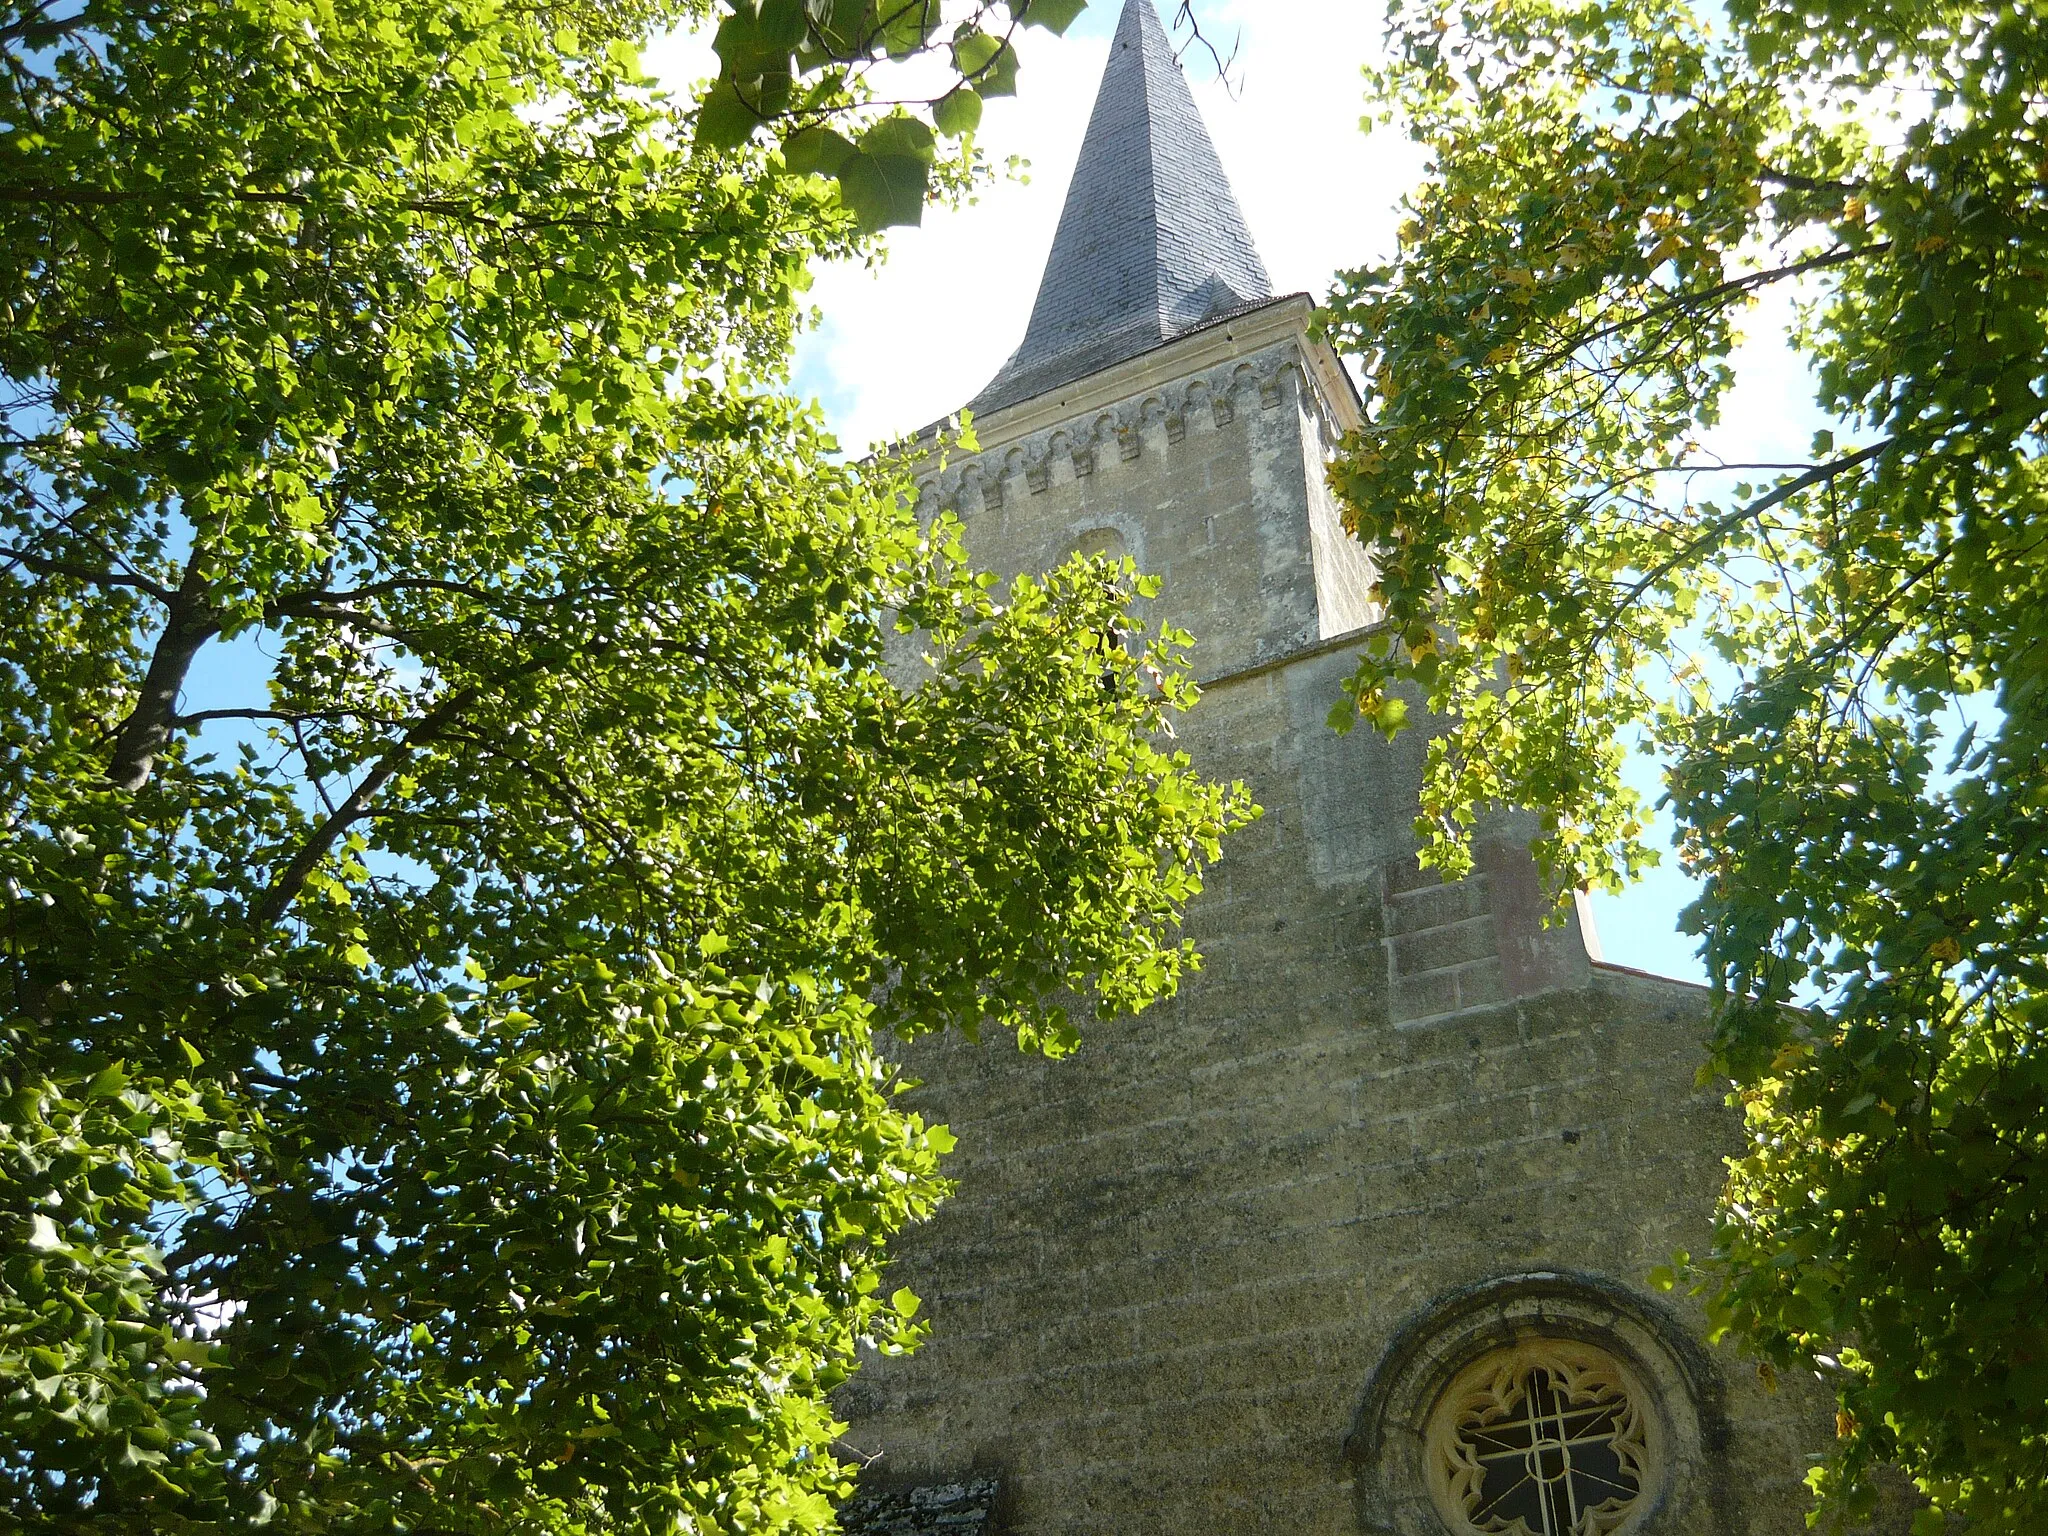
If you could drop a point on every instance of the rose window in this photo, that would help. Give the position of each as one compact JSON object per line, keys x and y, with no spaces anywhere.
{"x":1548,"y":1438}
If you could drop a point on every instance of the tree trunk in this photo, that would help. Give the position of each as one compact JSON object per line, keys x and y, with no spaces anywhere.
{"x":188,"y":624}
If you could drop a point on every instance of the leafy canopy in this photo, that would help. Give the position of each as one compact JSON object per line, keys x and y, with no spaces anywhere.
{"x":461,"y":836}
{"x":1857,"y":765}
{"x":807,"y":69}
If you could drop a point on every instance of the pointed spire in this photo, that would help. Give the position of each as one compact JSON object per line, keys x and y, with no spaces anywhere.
{"x":1151,"y":242}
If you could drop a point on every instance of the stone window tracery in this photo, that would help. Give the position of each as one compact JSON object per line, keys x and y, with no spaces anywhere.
{"x":1547,"y":1437}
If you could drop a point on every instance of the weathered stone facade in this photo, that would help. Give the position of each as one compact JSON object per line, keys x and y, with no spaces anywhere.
{"x":1211,"y":1275}
{"x":1177,"y":1259}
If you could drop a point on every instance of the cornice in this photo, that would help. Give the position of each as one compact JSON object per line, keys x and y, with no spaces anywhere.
{"x":1255,"y":370}
{"x":1196,"y":352}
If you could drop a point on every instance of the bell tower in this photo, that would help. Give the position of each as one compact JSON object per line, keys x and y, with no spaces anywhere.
{"x":1352,"y":1234}
{"x":1163,"y":400}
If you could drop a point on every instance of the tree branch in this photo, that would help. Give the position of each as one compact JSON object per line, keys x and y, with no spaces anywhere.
{"x":96,"y":197}
{"x":1185,"y":17}
{"x":1729,"y":289}
{"x":291,"y":880}
{"x":36,"y":19}
{"x":43,"y":565}
{"x":296,"y":602}
{"x":188,"y":624}
{"x":367,"y":623}
{"x":428,"y":729}
{"x":1800,"y":183}
{"x":1721,"y":525}
{"x":282,"y":716}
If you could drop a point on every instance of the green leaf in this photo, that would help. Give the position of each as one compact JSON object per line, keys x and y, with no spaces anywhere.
{"x":725,"y":119}
{"x":816,"y":152}
{"x":884,"y":190}
{"x":908,"y":25}
{"x":988,"y":63}
{"x":957,"y":113}
{"x":752,"y":43}
{"x":1054,"y":15}
{"x":841,"y":24}
{"x":900,"y":137}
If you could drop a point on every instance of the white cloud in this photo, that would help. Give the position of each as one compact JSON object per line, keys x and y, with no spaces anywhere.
{"x":680,"y":60}
{"x":1770,"y":415}
{"x":1319,"y":194}
{"x":912,"y":338}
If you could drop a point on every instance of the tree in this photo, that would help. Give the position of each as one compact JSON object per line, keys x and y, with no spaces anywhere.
{"x":441,"y":1087}
{"x":1856,"y":768}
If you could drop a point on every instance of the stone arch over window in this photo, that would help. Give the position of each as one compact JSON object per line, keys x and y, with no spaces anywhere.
{"x":1109,"y":544}
{"x":1541,"y":1404}
{"x":1106,"y":542}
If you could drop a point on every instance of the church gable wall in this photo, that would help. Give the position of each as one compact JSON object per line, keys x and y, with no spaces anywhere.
{"x":1305,"y":1248}
{"x":1176,"y":1260}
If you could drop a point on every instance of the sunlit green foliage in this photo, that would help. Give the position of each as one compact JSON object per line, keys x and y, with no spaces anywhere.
{"x":462,"y":842}
{"x":812,"y":72}
{"x":1613,"y":184}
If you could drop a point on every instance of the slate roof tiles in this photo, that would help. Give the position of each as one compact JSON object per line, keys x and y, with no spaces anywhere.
{"x":1151,"y":243}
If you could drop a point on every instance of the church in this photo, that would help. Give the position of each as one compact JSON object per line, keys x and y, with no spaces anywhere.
{"x":1353,"y":1234}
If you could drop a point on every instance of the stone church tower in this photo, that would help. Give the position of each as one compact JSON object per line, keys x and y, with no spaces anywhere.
{"x":1352,"y":1235}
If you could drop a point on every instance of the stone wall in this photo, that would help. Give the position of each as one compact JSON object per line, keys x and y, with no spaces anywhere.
{"x":1196,"y":1278}
{"x":1175,"y":1260}
{"x":931,"y":1509}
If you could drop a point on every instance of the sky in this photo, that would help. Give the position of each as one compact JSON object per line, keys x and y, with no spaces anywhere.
{"x":911,"y":339}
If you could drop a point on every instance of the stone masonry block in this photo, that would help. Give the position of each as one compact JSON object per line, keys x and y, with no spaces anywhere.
{"x":1436,"y":949}
{"x":1435,"y":906}
{"x":1408,"y":875}
{"x":1429,"y":995}
{"x":1481,"y":983}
